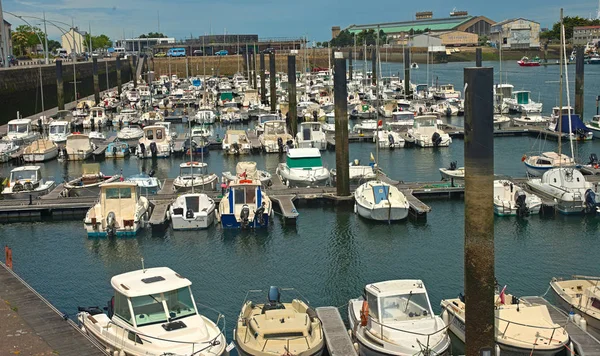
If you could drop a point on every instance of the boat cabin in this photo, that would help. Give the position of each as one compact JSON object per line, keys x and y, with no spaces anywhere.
{"x":187,"y":169}
{"x":19,"y":128}
{"x":522,"y":97}
{"x":595,"y":121}
{"x":78,"y":143}
{"x":244,"y":192}
{"x":566,"y":110}
{"x":231,"y":104}
{"x":275,"y":127}
{"x":403,"y":116}
{"x":119,"y":198}
{"x":421,"y":88}
{"x":25,"y":174}
{"x":60,"y":127}
{"x":266,"y":118}
{"x":152,"y":296}
{"x":98,"y":114}
{"x":552,"y":158}
{"x":304,"y":158}
{"x":155,"y":133}
{"x":397,"y":301}
{"x":426,"y":121}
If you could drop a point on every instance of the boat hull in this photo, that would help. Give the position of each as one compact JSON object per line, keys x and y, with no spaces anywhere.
{"x":230,"y":221}
{"x":565,"y":305}
{"x":31,"y":193}
{"x":198,"y":222}
{"x":382,"y":213}
{"x":40,"y":157}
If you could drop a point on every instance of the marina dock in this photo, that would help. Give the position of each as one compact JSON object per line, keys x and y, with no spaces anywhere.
{"x":584,"y":343}
{"x":34,"y":326}
{"x":336,"y":336}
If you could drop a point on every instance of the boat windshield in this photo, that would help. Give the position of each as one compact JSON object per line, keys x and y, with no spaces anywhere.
{"x":149,"y":309}
{"x":197,"y":171}
{"x":17,"y":128}
{"x":275,"y":128}
{"x":403,"y":307}
{"x":179,"y":303}
{"x":304,"y":162}
{"x":425,"y":122}
{"x":245,"y":195}
{"x":23,"y":175}
{"x":58,"y":129}
{"x":267,"y":118}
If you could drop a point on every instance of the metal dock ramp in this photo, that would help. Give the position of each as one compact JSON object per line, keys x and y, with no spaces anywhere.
{"x":336,"y":336}
{"x":42,"y":319}
{"x":584,"y":343}
{"x":286,"y":204}
{"x":103,"y":145}
{"x":159,"y":213}
{"x":167,"y":188}
{"x":254,"y":142}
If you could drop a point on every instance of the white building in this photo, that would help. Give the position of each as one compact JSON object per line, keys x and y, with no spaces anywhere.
{"x":516,"y":34}
{"x":6,"y":30}
{"x":140,"y":44}
{"x":74,"y":40}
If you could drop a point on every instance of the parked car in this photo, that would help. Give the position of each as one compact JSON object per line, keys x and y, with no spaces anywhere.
{"x":160,"y":54}
{"x":268,"y":50}
{"x":222,"y":52}
{"x":198,"y":52}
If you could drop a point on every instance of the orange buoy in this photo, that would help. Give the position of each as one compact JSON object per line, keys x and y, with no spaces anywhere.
{"x":523,"y":158}
{"x":364,"y":313}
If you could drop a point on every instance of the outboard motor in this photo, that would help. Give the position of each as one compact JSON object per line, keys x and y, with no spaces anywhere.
{"x":189,"y":213}
{"x":259,"y":215}
{"x":142,"y":149}
{"x":590,"y":201}
{"x":436,"y":139}
{"x":111,"y":224}
{"x":448,"y":111}
{"x":290,"y":144}
{"x":244,"y":215}
{"x":274,"y":296}
{"x":453,"y":165}
{"x":236,"y":148}
{"x":391,"y":140}
{"x":280,"y":144}
{"x":151,"y":173}
{"x":91,"y":310}
{"x":522,"y":209}
{"x":114,"y":150}
{"x":153,"y":149}
{"x":593,"y":160}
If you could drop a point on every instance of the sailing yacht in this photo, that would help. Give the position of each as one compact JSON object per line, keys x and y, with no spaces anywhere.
{"x":377,"y":200}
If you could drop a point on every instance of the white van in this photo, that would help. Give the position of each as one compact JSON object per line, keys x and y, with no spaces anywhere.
{"x":62,"y":53}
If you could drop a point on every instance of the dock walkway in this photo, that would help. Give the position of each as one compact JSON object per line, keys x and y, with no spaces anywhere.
{"x":585,"y":343}
{"x":336,"y":336}
{"x":59,"y":335}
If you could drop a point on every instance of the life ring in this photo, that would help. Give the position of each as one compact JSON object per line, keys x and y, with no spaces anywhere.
{"x":523,"y":158}
{"x":364,"y":313}
{"x":76,"y":133}
{"x":246,"y":181}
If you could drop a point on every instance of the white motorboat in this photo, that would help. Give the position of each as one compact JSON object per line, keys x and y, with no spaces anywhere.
{"x":311,"y":135}
{"x":245,"y":205}
{"x":395,"y":318}
{"x":262,"y":118}
{"x":148,"y":184}
{"x":303,"y":168}
{"x":520,"y":327}
{"x":236,"y":142}
{"x":117,"y":149}
{"x":389,"y":139}
{"x":203,"y":131}
{"x":580,"y":295}
{"x":90,"y":181}
{"x":20,"y":132}
{"x":453,"y":172}
{"x":153,"y":312}
{"x":7,"y":150}
{"x":501,"y":121}
{"x":358,"y":174}
{"x":445,"y":92}
{"x":520,"y":102}
{"x":125,"y":117}
{"x":248,"y":170}
{"x":132,"y":95}
{"x":79,"y":147}
{"x":98,"y":116}
{"x":512,"y":200}
{"x":151,"y":117}
{"x":537,"y":165}
{"x":568,"y":187}
{"x":427,"y":133}
{"x":377,"y":200}
{"x":278,"y":328}
{"x":365,"y":126}
{"x":40,"y":151}
{"x":205,"y":116}
{"x":402,"y":120}
{"x":97,"y":136}
{"x":194,"y":175}
{"x":364,"y":111}
{"x":594,"y":125}
{"x":121,"y":211}
{"x":26,"y":181}
{"x":529,"y":119}
{"x":156,"y":142}
{"x":192,"y":211}
{"x":58,"y":130}
{"x":275,"y":137}
{"x":130,"y":133}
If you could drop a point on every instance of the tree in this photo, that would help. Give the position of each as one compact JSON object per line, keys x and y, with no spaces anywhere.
{"x":569,"y":23}
{"x":53,"y":45}
{"x":101,"y":41}
{"x":26,"y":37}
{"x":344,"y":39}
{"x":153,"y":35}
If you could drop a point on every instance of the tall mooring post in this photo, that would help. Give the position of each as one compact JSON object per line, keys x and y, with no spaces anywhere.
{"x":340,"y":95}
{"x":252,"y":71}
{"x":479,"y":210}
{"x":406,"y":71}
{"x":96,"y":80}
{"x":350,"y":66}
{"x":134,"y":71}
{"x":478,"y":57}
{"x":60,"y":88}
{"x":374,"y":65}
{"x":119,"y":83}
{"x":263,"y":88}
{"x":579,"y":82}
{"x":293,"y":105}
{"x":187,"y":67}
{"x":272,"y":77}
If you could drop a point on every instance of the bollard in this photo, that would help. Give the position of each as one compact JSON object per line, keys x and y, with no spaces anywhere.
{"x":293,"y":105}
{"x":406,"y":72}
{"x":96,"y":80}
{"x":579,"y":82}
{"x":479,"y":210}
{"x":478,"y":57}
{"x":118,"y":64}
{"x":272,"y":76}
{"x":350,"y":66}
{"x":340,"y":92}
{"x":60,"y":89}
{"x":263,"y":92}
{"x":374,"y":65}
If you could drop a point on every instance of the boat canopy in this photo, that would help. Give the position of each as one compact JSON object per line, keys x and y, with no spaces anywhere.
{"x":522,"y":97}
{"x":576,"y":124}
{"x":380,"y":193}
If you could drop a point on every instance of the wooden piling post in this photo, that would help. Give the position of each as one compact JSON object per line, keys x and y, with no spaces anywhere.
{"x":478,"y":57}
{"x":263,"y":91}
{"x":134,"y":70}
{"x":340,"y":92}
{"x":60,"y":88}
{"x":579,"y":82}
{"x":272,"y":77}
{"x":374,"y":65}
{"x":406,"y":71}
{"x":350,"y":66}
{"x":119,"y":83}
{"x":96,"y":80}
{"x":479,"y":210}
{"x":293,"y":105}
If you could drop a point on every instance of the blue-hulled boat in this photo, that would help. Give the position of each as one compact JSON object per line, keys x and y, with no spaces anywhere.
{"x":117,"y":150}
{"x":244,"y":205}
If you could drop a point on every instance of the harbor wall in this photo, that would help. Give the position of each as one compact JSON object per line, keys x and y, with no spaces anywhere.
{"x":20,"y":86}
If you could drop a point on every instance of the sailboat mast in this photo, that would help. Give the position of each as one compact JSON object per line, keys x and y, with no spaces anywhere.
{"x":377,"y":100}
{"x":568,"y":94}
{"x":191,"y":155}
{"x":560,"y":95}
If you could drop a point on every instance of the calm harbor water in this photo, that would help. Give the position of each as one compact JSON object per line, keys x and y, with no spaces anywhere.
{"x":331,"y":253}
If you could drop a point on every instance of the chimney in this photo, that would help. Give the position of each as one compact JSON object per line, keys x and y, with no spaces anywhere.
{"x":335,"y":31}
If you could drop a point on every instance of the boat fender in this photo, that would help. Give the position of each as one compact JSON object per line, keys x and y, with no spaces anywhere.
{"x":523,"y":158}
{"x":583,"y":324}
{"x":364,"y":313}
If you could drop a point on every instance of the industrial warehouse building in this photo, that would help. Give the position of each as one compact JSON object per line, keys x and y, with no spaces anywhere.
{"x":450,"y":30}
{"x":516,"y":34}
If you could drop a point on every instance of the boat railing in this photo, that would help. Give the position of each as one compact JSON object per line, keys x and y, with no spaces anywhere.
{"x":428,"y":335}
{"x":509,"y":322}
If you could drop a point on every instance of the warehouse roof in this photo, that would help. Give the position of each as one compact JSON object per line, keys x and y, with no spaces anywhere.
{"x":443,"y":24}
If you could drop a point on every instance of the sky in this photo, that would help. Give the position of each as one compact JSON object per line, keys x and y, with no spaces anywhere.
{"x":267,"y":18}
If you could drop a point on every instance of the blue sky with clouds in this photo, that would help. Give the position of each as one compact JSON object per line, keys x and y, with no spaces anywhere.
{"x":267,"y":18}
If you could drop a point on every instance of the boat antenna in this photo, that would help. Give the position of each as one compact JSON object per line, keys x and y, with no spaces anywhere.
{"x":143,"y":268}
